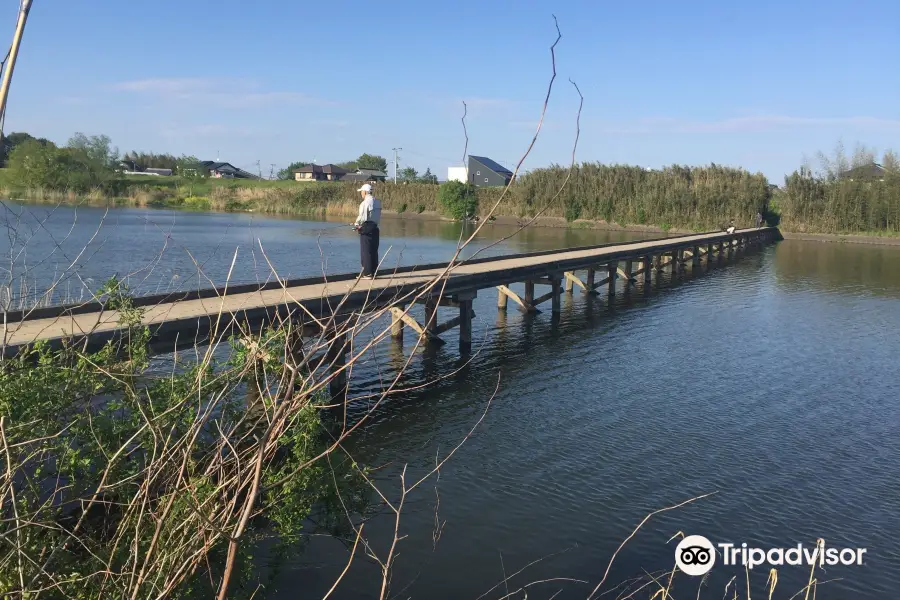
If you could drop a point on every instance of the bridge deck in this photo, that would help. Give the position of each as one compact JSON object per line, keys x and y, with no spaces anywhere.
{"x":184,"y":318}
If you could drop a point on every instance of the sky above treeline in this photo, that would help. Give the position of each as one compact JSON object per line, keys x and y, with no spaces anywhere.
{"x":761,"y":85}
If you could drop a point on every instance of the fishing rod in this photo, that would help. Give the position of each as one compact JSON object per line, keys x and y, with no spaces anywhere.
{"x":9,"y":63}
{"x":332,"y":228}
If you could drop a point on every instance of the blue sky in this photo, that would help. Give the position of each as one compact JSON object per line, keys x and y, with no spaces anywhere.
{"x":755,"y":84}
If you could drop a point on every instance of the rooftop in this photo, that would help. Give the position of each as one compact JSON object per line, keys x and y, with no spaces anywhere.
{"x":492,"y":165}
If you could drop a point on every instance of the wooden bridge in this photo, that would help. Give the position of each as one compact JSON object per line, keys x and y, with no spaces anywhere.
{"x":185,"y":319}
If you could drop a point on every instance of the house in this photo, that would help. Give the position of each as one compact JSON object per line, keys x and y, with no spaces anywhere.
{"x":319,"y":173}
{"x":870,"y":172}
{"x":335,"y":173}
{"x":155,"y":171}
{"x":372,"y":174}
{"x":224,"y":170}
{"x":483,"y":172}
{"x":457,"y":174}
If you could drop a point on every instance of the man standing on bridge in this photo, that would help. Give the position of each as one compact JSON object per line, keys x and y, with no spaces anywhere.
{"x":366,"y":226}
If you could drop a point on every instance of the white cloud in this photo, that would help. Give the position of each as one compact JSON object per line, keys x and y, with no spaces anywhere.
{"x":215,"y":92}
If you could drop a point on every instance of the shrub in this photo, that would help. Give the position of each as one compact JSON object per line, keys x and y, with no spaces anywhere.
{"x":458,"y":199}
{"x":401,"y":209}
{"x":420,"y":208}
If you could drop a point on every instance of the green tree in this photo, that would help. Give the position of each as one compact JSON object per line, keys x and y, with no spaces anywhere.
{"x":288,"y":171}
{"x":98,"y":148}
{"x":189,"y":167}
{"x":458,"y":199}
{"x":428,"y":177}
{"x":35,"y":165}
{"x":14,"y":139}
{"x":371,"y":161}
{"x":408,"y":174}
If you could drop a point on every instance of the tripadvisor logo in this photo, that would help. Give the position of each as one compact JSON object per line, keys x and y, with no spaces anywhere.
{"x":696,"y":555}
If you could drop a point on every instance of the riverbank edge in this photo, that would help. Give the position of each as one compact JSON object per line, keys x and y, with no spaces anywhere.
{"x":331,"y":213}
{"x":877,"y":240}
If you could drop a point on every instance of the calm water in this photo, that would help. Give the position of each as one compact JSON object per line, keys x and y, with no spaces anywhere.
{"x":772,"y":381}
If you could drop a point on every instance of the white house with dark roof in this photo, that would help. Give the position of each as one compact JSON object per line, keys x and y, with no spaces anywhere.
{"x":481,"y":172}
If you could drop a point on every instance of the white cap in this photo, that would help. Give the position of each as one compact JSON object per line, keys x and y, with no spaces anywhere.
{"x":365,"y":188}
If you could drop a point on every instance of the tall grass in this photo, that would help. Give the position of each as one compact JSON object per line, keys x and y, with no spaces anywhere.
{"x":697,"y":198}
{"x":827,"y":201}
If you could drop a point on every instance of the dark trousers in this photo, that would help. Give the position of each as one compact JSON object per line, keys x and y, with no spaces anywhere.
{"x":368,"y":247}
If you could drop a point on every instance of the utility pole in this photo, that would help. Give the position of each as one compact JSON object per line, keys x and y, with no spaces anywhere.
{"x":259,"y":168}
{"x":11,"y":64}
{"x":272,"y":172}
{"x":396,"y":164}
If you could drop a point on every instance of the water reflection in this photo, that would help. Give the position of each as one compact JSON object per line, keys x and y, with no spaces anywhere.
{"x":839,"y":267}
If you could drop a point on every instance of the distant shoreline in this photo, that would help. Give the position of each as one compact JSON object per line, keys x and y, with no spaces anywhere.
{"x":333,"y":211}
{"x":878,"y":240}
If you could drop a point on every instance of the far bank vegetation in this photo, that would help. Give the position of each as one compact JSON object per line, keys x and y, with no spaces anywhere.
{"x":825,"y":200}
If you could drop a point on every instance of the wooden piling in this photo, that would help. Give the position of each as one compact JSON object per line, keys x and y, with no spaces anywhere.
{"x":397,"y":323}
{"x":502,"y":300}
{"x":529,"y":293}
{"x":695,"y":259}
{"x":556,"y":289}
{"x":646,"y":266}
{"x":465,"y":321}
{"x":431,"y":317}
{"x":337,"y":360}
{"x":613,"y":269}
{"x":591,"y":275}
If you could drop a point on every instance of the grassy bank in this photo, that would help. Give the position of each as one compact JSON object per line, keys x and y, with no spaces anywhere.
{"x":680,"y":198}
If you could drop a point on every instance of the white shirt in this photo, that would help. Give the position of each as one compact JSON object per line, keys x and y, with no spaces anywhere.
{"x":369,"y":210}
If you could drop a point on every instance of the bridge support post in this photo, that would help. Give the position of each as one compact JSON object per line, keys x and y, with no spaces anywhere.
{"x":709,"y":252}
{"x":646,"y":267}
{"x":591,"y":276}
{"x":695,"y":259}
{"x":502,"y":300}
{"x":337,"y":360}
{"x":431,"y":318}
{"x":529,"y":293}
{"x":397,"y":324}
{"x":629,"y":280}
{"x":556,"y":290}
{"x":612,"y":269}
{"x":465,"y":320}
{"x":570,"y":285}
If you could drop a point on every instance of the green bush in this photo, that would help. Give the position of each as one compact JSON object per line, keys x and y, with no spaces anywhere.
{"x":33,"y":165}
{"x":458,"y":199}
{"x":420,"y":208}
{"x":401,"y":209}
